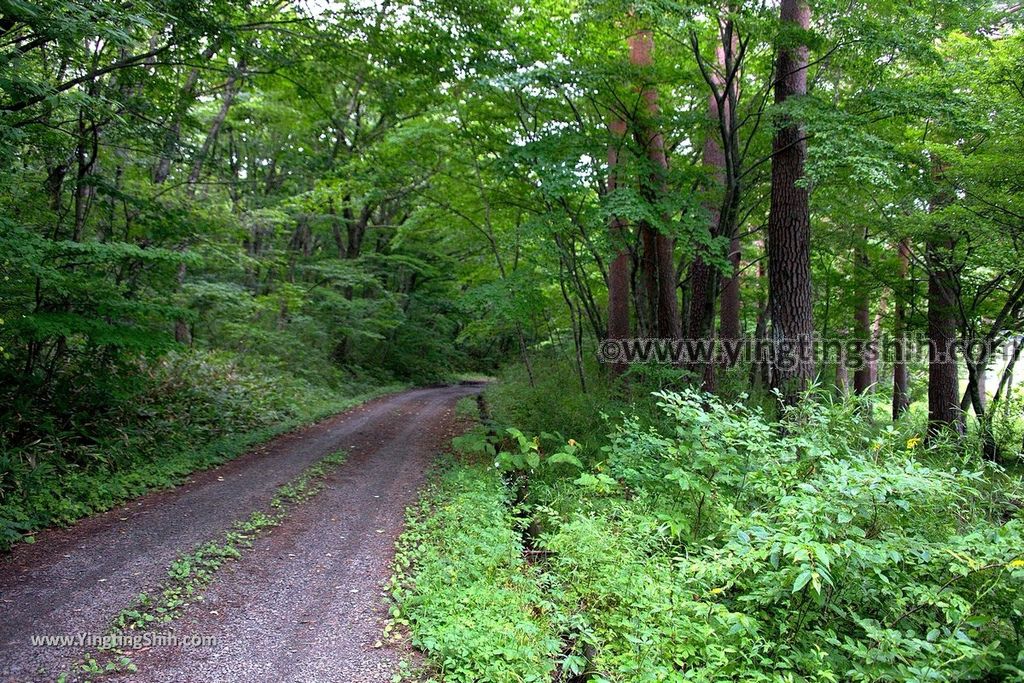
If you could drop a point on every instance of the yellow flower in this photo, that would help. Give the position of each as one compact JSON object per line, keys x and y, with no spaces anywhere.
{"x":572,"y":442}
{"x":1016,"y":564}
{"x":913,"y":442}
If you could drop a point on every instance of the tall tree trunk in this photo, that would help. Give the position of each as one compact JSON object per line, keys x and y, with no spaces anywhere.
{"x":729,"y":308}
{"x":842,"y":382}
{"x":1006,"y":380}
{"x":760,"y":369}
{"x":876,"y":338}
{"x":862,"y":325}
{"x":231,"y":88}
{"x":900,"y":388}
{"x":86,"y":153}
{"x":944,"y":412}
{"x":722,"y":158}
{"x":704,"y":277}
{"x":173,"y":135}
{"x":976,"y":397}
{"x":862,"y":379}
{"x":659,"y":266}
{"x":789,"y":226}
{"x":618,"y":271}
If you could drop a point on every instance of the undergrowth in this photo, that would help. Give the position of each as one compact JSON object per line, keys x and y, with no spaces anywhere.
{"x":462,"y":587}
{"x":692,"y":538}
{"x":195,"y":411}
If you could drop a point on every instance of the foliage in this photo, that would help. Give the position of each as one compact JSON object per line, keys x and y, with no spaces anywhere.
{"x":713,"y":545}
{"x":825,"y":554}
{"x":462,"y":587}
{"x":197,"y":411}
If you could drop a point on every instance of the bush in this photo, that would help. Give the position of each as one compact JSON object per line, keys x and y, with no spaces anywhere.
{"x":462,"y":586}
{"x":730,"y":551}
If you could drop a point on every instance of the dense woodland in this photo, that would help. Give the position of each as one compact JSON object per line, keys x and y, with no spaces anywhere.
{"x":222,"y":219}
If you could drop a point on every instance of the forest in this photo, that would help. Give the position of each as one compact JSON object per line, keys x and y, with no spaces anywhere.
{"x":684,"y":336}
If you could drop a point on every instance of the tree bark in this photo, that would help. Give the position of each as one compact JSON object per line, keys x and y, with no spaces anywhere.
{"x":900,"y":375}
{"x":862,"y":323}
{"x":789,"y":228}
{"x":729,"y":308}
{"x":659,"y":267}
{"x":944,"y":412}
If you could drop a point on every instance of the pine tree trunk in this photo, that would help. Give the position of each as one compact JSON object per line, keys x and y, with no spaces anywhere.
{"x":789,"y":230}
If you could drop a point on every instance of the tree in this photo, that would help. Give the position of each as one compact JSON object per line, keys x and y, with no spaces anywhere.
{"x":900,"y":372}
{"x":658,"y":262}
{"x":618,"y":271}
{"x":789,"y":232}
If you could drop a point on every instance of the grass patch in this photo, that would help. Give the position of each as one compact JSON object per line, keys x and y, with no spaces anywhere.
{"x":696,"y":540}
{"x":462,"y":587}
{"x":191,"y":573}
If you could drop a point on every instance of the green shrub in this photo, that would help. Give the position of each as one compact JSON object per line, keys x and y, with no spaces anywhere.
{"x":825,"y":553}
{"x":462,"y":586}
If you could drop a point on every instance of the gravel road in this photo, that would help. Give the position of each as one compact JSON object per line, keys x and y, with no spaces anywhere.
{"x":305,"y":604}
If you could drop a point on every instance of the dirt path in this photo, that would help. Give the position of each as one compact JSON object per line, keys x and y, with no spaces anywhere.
{"x":304,"y":605}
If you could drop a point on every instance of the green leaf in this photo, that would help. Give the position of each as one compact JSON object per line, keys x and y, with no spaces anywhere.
{"x":802,"y":579}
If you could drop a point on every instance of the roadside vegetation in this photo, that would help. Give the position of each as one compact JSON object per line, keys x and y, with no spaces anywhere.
{"x":219,"y":220}
{"x":689,"y":537}
{"x":187,"y":412}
